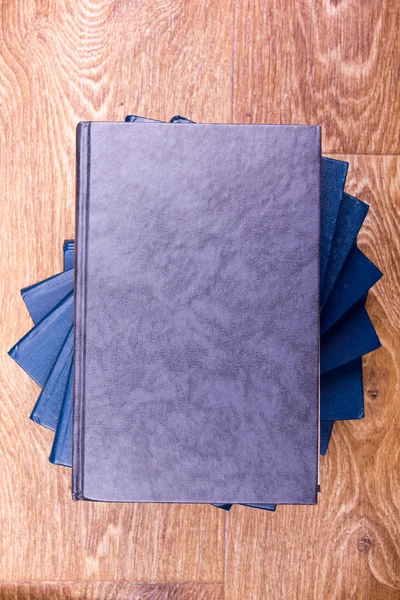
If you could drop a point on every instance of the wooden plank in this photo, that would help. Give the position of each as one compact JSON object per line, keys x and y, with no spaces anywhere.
{"x":348,"y":546}
{"x":111,"y":591}
{"x":62,"y":62}
{"x":326,"y":61}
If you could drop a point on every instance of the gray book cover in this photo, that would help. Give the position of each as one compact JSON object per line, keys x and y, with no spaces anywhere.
{"x":197,"y":330}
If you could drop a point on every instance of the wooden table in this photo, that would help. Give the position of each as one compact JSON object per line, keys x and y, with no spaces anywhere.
{"x":334,"y":62}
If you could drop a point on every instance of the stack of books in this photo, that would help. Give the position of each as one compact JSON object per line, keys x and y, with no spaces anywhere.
{"x":208,"y":327}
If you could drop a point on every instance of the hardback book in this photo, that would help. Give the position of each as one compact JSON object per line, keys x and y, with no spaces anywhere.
{"x":352,"y":213}
{"x":38,"y":350}
{"x":325,"y":435}
{"x":189,"y":359}
{"x":61,"y":452}
{"x":334,"y":173}
{"x":351,"y":337}
{"x":342,"y":393}
{"x":69,"y":253}
{"x":47,"y":409}
{"x":358,"y":275}
{"x":41,"y":298}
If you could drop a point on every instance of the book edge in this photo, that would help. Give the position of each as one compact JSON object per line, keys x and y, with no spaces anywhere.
{"x":82,"y":199}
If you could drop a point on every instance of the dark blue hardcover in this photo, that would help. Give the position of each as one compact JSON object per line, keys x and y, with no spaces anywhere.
{"x":69,"y":254}
{"x":38,"y":350}
{"x":61,"y":452}
{"x":325,"y":435}
{"x":42,"y":297}
{"x":352,"y":213}
{"x":358,"y":275}
{"x":334,"y":174}
{"x":351,"y":337}
{"x":136,"y":119}
{"x":342,"y":395}
{"x":48,"y":406}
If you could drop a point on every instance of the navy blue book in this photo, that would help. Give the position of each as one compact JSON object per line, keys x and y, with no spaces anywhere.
{"x":352,"y":213}
{"x":42,"y":297}
{"x":48,"y":406}
{"x":351,"y":337}
{"x":325,"y":435}
{"x":38,"y":350}
{"x":69,"y":254}
{"x":334,"y":174}
{"x":61,"y":452}
{"x":358,"y":275}
{"x":136,"y":119}
{"x":342,"y":393}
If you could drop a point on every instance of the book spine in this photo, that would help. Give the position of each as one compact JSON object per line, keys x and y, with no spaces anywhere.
{"x":82,"y":201}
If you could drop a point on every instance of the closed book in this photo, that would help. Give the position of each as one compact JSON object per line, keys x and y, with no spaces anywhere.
{"x":42,"y":297}
{"x":47,"y":409}
{"x":358,"y":275}
{"x":38,"y":350}
{"x":342,"y":393}
{"x":352,"y":337}
{"x":325,"y":435}
{"x":334,"y":173}
{"x":48,"y":406}
{"x":69,"y":253}
{"x":196,"y":362}
{"x":61,"y":452}
{"x":352,"y":213}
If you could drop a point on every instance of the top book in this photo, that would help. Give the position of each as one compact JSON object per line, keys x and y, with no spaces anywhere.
{"x":197,"y":313}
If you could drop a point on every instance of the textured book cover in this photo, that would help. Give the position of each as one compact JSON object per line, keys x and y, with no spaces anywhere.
{"x":189,"y":359}
{"x":352,"y":213}
{"x":358,"y":275}
{"x":42,"y":297}
{"x":69,"y":254}
{"x":48,"y":406}
{"x":38,"y":350}
{"x":351,"y":337}
{"x":61,"y":452}
{"x":334,"y":173}
{"x":342,"y":393}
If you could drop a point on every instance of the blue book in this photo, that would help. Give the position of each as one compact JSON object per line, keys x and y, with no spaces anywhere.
{"x":334,"y":173}
{"x":42,"y":297}
{"x":61,"y":452}
{"x":69,"y":254}
{"x":38,"y":350}
{"x":325,"y":435}
{"x":358,"y":275}
{"x":352,"y":213}
{"x":136,"y":119}
{"x":48,"y":406}
{"x":351,"y":337}
{"x":342,"y":393}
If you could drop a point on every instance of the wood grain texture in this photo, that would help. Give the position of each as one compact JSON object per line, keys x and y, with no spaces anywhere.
{"x":334,"y":62}
{"x":348,"y":547}
{"x":330,"y":61}
{"x":62,"y":62}
{"x":111,"y":591}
